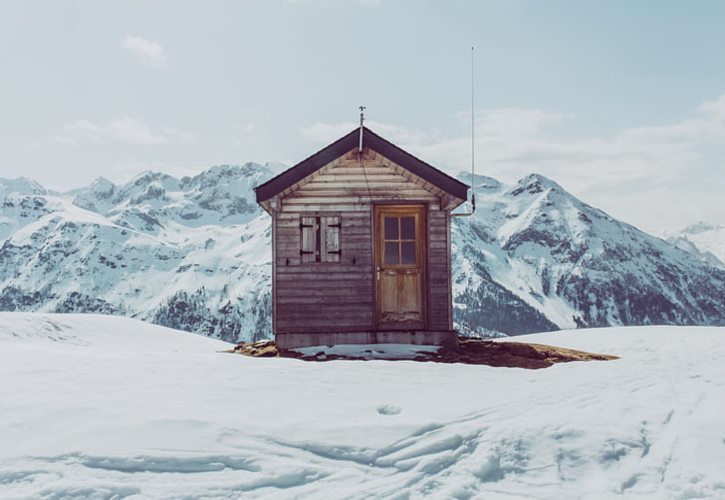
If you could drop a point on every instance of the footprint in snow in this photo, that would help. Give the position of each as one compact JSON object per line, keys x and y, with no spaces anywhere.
{"x":389,"y":410}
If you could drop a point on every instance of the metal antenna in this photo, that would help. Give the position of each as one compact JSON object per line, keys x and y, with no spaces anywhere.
{"x":362,"y":119}
{"x":473,"y":139}
{"x":473,"y":148}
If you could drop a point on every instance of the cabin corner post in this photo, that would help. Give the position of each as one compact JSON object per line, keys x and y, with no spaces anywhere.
{"x":273,"y":297}
{"x":428,"y":266}
{"x":449,"y":244}
{"x":372,"y":211}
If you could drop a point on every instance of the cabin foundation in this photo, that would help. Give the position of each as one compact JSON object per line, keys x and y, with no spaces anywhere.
{"x":447,"y":338}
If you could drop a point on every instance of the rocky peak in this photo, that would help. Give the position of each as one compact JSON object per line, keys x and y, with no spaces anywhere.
{"x":21,"y":186}
{"x":480,"y":182}
{"x":102,"y":188}
{"x":534,"y":184}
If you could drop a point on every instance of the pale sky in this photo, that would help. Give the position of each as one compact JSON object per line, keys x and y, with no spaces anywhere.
{"x":621,"y":102}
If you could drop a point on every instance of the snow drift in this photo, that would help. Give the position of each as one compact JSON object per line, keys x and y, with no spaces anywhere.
{"x":103,"y":407}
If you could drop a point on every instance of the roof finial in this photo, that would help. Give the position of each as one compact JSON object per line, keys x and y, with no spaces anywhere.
{"x":362,"y":120}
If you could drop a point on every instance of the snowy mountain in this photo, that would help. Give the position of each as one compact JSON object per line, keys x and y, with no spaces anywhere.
{"x":706,"y":241}
{"x":534,"y":255}
{"x":194,"y":254}
{"x":101,"y":407}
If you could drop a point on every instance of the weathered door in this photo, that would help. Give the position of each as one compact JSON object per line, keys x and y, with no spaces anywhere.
{"x":400,"y":266}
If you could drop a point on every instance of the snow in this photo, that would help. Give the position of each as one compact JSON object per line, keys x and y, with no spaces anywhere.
{"x":572,"y":263}
{"x":104,"y":407}
{"x":145,"y":249}
{"x":369,"y":351}
{"x":703,"y":240}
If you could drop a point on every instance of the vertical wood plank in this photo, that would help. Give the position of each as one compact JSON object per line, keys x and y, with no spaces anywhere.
{"x":274,"y":272}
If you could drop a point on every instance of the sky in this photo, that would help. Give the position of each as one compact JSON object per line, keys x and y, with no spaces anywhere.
{"x":620,"y":102}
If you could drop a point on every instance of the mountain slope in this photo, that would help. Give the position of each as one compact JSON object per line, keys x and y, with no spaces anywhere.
{"x":194,"y":254}
{"x":189,"y":253}
{"x":574,"y":264}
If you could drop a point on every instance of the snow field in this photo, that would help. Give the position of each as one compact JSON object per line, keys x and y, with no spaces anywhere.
{"x":103,"y":407}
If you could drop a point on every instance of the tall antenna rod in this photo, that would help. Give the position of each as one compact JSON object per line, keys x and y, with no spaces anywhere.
{"x":473,"y":138}
{"x":473,"y":147}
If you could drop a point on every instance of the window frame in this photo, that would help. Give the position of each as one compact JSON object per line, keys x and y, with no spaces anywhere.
{"x":315,"y":247}
{"x":416,"y":240}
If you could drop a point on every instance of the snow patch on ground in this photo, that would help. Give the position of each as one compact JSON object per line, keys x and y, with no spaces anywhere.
{"x":369,"y":351}
{"x":104,"y":407}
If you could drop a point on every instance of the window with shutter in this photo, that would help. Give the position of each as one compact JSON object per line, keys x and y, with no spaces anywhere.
{"x":331,"y":248}
{"x":320,"y":239}
{"x":309,"y":229}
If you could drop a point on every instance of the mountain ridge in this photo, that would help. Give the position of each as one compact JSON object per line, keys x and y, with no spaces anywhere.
{"x":194,"y":253}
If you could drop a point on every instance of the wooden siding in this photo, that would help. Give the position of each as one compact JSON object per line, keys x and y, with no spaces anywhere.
{"x":324,"y":296}
{"x":339,"y":297}
{"x":351,"y":183}
{"x":439,"y":297}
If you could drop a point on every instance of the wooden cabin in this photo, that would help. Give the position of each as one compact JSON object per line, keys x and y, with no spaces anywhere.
{"x":361,"y":246}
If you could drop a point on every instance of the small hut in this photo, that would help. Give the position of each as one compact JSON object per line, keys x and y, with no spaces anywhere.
{"x":361,"y":246}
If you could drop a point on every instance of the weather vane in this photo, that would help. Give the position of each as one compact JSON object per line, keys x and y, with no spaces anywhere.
{"x":360,"y":142}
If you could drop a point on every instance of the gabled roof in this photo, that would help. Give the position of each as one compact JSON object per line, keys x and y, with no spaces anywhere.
{"x":371,"y":140}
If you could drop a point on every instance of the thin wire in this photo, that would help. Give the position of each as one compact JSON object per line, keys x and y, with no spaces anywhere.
{"x":359,"y":156}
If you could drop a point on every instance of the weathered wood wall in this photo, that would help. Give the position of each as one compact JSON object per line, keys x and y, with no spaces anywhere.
{"x":324,"y":296}
{"x":339,"y":297}
{"x":439,"y":283}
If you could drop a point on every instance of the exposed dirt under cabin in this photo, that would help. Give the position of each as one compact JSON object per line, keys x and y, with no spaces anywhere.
{"x":470,"y":351}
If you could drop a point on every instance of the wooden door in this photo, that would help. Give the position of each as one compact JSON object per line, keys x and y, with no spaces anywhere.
{"x":400,"y":242}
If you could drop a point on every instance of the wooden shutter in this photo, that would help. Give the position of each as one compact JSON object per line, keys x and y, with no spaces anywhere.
{"x":308,"y":239}
{"x":330,"y":230}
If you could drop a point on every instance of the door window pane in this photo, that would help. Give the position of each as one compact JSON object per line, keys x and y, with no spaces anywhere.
{"x":407,"y":252}
{"x":391,"y":253}
{"x":407,"y":228}
{"x":391,"y":228}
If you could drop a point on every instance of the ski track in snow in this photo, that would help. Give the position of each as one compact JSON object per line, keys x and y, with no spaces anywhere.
{"x":101,"y":407}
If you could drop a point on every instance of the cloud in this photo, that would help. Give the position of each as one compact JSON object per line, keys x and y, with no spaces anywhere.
{"x":122,"y":130}
{"x":149,"y":53}
{"x":513,"y":142}
{"x":716,"y":107}
{"x":619,"y":171}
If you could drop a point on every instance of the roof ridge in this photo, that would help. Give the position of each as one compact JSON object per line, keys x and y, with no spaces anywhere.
{"x":347,"y":142}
